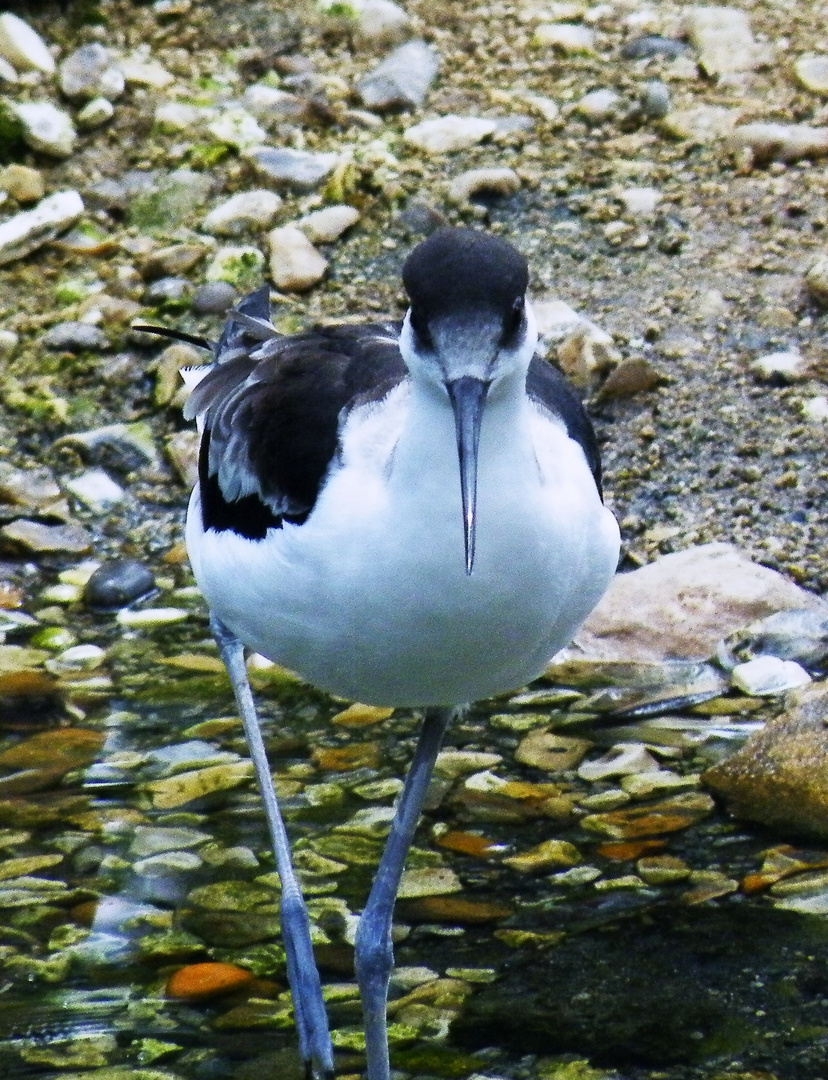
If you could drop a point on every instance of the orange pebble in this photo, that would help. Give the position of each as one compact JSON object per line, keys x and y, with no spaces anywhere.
{"x":197,"y":981}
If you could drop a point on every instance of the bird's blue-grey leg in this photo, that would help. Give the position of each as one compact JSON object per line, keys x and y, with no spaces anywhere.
{"x":374,"y":956}
{"x":308,"y":1007}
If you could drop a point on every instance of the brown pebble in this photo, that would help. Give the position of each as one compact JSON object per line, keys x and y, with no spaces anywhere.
{"x":198,"y":981}
{"x":345,"y":758}
{"x":455,"y":909}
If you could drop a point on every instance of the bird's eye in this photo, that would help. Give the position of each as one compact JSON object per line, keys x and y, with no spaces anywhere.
{"x":420,"y":328}
{"x":512,"y":322}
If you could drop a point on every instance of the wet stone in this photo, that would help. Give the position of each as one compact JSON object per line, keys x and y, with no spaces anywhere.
{"x":187,"y":787}
{"x":38,"y":539}
{"x":651,"y":819}
{"x":551,"y":854}
{"x":547,"y":750}
{"x":117,"y":583}
{"x":200,"y":981}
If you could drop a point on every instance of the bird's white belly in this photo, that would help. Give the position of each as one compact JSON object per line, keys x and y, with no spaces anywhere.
{"x":369,"y":599}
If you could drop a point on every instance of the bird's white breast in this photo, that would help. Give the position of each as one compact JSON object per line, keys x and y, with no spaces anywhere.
{"x":369,"y":598}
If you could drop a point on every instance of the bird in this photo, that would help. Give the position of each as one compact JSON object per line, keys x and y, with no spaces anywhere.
{"x":405,"y":514}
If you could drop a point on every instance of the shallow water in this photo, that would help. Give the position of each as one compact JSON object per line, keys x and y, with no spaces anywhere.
{"x":133,"y":845}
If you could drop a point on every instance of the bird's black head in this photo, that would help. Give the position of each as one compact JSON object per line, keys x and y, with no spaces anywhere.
{"x":465,"y":272}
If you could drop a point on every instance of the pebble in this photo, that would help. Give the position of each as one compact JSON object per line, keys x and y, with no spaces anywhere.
{"x":328,"y":224}
{"x":547,"y":750}
{"x":29,"y":230}
{"x":702,"y":124}
{"x":655,"y":101}
{"x":640,"y":201}
{"x":567,"y":37}
{"x":551,"y":854}
{"x":46,"y":128}
{"x":620,"y":760}
{"x":77,"y":658}
{"x":812,"y":73}
{"x":164,"y":291}
{"x":456,"y":763}
{"x":786,"y":366}
{"x":380,"y":22}
{"x":89,"y":72}
{"x":295,"y":264}
{"x":183,"y":788}
{"x":95,"y":113}
{"x":662,"y":869}
{"x":96,"y":490}
{"x":38,"y":539}
{"x":768,"y":675}
{"x":768,"y":141}
{"x":23,"y":183}
{"x":237,"y":128}
{"x":248,"y":210}
{"x":239,"y":267}
{"x":269,"y":104}
{"x":649,"y":45}
{"x":142,"y":72}
{"x":125,"y":446}
{"x":651,"y":819}
{"x":428,"y":881}
{"x":23,"y":47}
{"x":598,"y":105}
{"x":75,"y":337}
{"x":154,"y":839}
{"x":723,"y":39}
{"x":446,"y":134}
{"x":299,"y":170}
{"x":633,"y":375}
{"x":644,"y":785}
{"x":815,"y":409}
{"x":487,"y":181}
{"x":816,"y":281}
{"x":402,"y":80}
{"x":197,"y":982}
{"x":214,"y":298}
{"x":147,"y":618}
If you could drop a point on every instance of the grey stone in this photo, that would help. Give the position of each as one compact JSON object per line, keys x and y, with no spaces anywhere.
{"x":214,"y":298}
{"x":402,"y":80}
{"x":89,"y":73}
{"x":75,"y":337}
{"x":118,"y":583}
{"x":648,"y":45}
{"x":166,"y":289}
{"x":299,"y":170}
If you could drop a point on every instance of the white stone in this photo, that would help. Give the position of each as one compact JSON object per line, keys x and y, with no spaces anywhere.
{"x":23,"y":47}
{"x":46,"y":128}
{"x":768,"y":675}
{"x":248,"y":210}
{"x":7,"y":72}
{"x":815,"y":409}
{"x":492,"y":181}
{"x":175,"y":116}
{"x":701,"y":123}
{"x":95,"y":113}
{"x":267,"y":102}
{"x":237,"y":128}
{"x":380,"y":21}
{"x":328,"y":224}
{"x":77,"y":658}
{"x":148,"y":617}
{"x":683,"y":604}
{"x":449,"y":133}
{"x":141,"y":72}
{"x":812,"y":73}
{"x":598,"y":105}
{"x":295,"y":264}
{"x":780,"y":142}
{"x":640,"y":201}
{"x":789,"y":365}
{"x":723,"y":39}
{"x":568,"y":37}
{"x":96,"y":490}
{"x":30,"y":230}
{"x":621,"y":760}
{"x":89,"y":72}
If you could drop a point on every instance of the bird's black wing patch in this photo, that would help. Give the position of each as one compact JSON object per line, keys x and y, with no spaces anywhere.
{"x":272,"y":416}
{"x":546,"y":385}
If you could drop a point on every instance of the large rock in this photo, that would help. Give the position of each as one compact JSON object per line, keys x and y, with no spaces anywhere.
{"x":682,"y":605}
{"x":778,"y":777}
